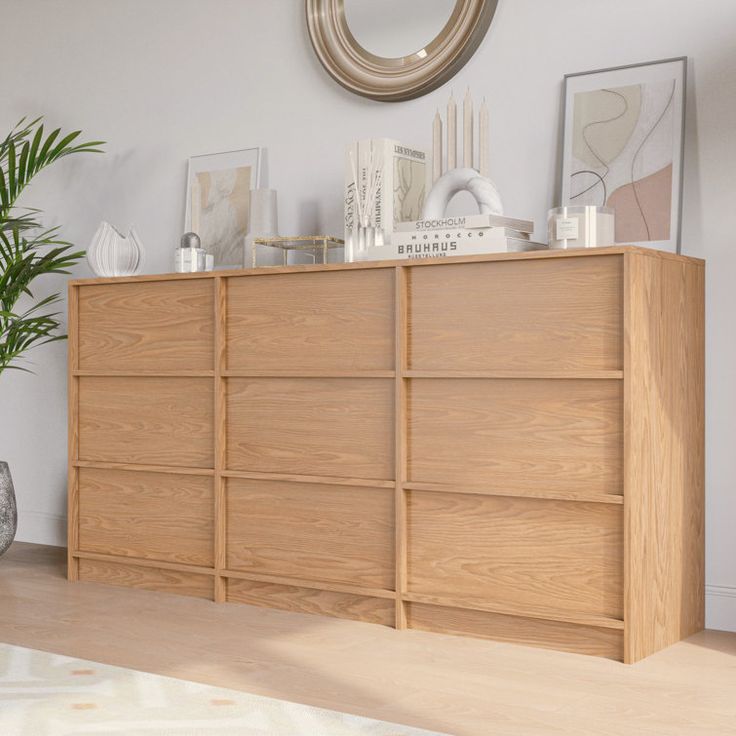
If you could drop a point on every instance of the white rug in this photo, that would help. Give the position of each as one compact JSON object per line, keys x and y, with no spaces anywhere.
{"x":44,"y":694}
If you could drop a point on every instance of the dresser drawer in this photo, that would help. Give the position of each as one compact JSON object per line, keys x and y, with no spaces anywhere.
{"x":147,"y":420}
{"x":147,"y":326}
{"x":341,"y":427}
{"x":551,"y":314}
{"x":312,"y":321}
{"x":517,"y":434}
{"x":521,"y":554}
{"x":152,"y":516}
{"x":331,"y":533}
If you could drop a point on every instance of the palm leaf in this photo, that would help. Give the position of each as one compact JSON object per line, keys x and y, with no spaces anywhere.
{"x":27,"y":250}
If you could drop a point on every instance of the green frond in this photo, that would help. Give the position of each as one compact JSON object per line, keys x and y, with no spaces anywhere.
{"x":27,"y":250}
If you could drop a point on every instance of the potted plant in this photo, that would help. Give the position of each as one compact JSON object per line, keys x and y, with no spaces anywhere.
{"x":27,"y":251}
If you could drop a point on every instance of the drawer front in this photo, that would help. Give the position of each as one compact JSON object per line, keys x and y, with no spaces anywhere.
{"x":309,"y":600}
{"x":520,"y":434}
{"x":311,"y":532}
{"x":148,"y":326}
{"x":600,"y":642}
{"x":335,"y":426}
{"x":517,"y":553}
{"x":147,"y":578}
{"x":147,"y":421}
{"x":549,"y":314}
{"x":312,"y":321}
{"x":154,"y":516}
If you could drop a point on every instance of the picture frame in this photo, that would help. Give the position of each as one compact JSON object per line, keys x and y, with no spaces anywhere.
{"x":623,"y":140}
{"x":218,"y":201}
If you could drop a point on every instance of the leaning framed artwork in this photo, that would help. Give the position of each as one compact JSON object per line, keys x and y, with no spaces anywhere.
{"x":218,"y":201}
{"x":623,"y":140}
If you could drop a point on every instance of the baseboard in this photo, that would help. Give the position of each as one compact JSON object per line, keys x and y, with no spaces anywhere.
{"x":720,"y":607}
{"x":40,"y":527}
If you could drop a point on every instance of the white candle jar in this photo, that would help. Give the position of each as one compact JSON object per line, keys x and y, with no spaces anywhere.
{"x":582,"y":226}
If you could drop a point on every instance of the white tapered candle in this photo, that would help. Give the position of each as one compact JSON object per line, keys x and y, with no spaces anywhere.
{"x":483,"y":144}
{"x":451,"y":133}
{"x":468,"y":131}
{"x":437,"y":147}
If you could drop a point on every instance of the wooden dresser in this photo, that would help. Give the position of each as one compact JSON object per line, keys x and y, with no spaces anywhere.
{"x":506,"y":446}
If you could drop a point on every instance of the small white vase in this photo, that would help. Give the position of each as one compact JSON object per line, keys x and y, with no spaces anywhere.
{"x":113,"y":254}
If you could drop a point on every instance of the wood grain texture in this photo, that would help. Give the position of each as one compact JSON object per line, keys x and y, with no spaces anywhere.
{"x":516,"y":551}
{"x":156,"y":421}
{"x":533,"y":632}
{"x":330,"y":533}
{"x":149,"y":515}
{"x":510,"y":434}
{"x":166,"y":469}
{"x":400,"y":435}
{"x":142,"y":562}
{"x":309,"y":600}
{"x":538,"y":411}
{"x":165,"y":325}
{"x":320,"y":321}
{"x":312,"y":426}
{"x":147,"y":578}
{"x":220,"y":436}
{"x":348,"y":588}
{"x":544,"y":613}
{"x":319,"y":479}
{"x":664,"y":454}
{"x":72,"y":501}
{"x":542,"y":493}
{"x":540,"y":314}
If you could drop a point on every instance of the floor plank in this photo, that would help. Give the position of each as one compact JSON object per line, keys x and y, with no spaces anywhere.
{"x":449,"y":684}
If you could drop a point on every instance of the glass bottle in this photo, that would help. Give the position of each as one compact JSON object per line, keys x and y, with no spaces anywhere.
{"x":190,"y":257}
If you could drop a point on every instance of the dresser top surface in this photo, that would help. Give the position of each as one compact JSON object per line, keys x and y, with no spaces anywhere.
{"x":407,"y":263}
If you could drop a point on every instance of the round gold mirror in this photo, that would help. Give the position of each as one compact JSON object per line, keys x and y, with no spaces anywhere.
{"x":395,"y":50}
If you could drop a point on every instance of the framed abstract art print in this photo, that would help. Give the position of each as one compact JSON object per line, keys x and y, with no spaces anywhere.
{"x":623,"y":139}
{"x":218,"y":201}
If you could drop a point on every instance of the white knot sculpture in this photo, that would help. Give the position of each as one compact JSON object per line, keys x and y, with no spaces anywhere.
{"x":453,"y":181}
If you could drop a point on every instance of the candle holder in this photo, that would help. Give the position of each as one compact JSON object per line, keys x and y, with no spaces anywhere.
{"x":583,"y":226}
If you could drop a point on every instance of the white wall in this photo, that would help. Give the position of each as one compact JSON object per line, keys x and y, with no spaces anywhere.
{"x":163,"y":79}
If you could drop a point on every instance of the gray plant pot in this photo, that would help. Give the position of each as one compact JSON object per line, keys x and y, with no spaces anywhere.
{"x":8,"y":509}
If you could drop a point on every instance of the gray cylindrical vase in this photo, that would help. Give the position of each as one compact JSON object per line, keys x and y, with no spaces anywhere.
{"x":8,"y":509}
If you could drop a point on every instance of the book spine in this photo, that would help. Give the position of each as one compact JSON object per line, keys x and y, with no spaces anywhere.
{"x":468,"y":221}
{"x":351,"y":191}
{"x":492,"y":236}
{"x":443,"y":249}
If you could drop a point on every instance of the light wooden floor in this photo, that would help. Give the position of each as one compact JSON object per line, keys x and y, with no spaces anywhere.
{"x":450,"y":684}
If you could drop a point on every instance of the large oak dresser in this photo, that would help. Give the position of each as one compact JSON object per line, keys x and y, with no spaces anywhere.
{"x":506,"y":446}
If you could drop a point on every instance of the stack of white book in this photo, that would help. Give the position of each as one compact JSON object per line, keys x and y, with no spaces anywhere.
{"x":455,"y":236}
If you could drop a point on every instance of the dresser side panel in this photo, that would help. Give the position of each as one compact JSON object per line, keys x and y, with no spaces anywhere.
{"x":663,"y":453}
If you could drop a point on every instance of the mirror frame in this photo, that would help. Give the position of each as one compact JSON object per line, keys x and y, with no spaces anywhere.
{"x":403,"y":78}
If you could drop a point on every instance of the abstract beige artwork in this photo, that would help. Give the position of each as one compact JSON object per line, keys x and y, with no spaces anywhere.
{"x":623,"y":148}
{"x":218,"y":201}
{"x":220,"y":212}
{"x":622,"y":157}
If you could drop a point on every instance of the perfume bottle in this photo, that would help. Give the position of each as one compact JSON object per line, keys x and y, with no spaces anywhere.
{"x":190,"y":257}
